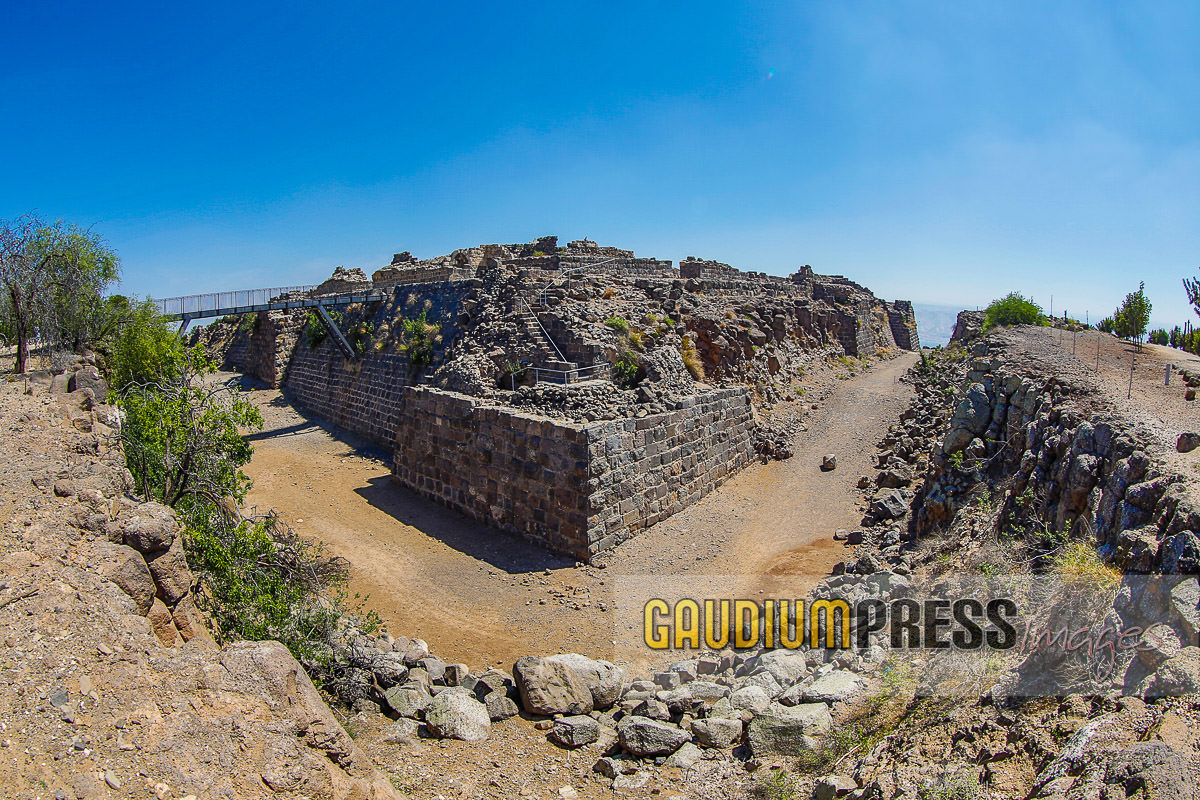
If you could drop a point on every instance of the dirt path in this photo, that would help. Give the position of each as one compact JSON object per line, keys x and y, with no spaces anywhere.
{"x":483,"y":597}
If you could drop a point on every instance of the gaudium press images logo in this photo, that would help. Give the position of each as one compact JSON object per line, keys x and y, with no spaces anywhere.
{"x":932,"y":624}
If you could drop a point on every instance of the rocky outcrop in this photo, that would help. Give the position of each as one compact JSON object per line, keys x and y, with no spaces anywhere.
{"x":105,"y":646}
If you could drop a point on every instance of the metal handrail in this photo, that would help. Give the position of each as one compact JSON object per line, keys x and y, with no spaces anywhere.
{"x":545,"y":333}
{"x":194,"y":305}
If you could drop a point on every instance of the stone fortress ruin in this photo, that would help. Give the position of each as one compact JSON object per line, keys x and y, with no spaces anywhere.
{"x":574,"y":394}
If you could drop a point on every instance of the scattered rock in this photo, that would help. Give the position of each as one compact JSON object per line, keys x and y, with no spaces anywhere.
{"x":456,"y":714}
{"x":642,"y":736}
{"x":575,"y":731}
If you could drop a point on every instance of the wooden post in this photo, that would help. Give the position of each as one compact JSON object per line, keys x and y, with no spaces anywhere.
{"x":1132,"y":361}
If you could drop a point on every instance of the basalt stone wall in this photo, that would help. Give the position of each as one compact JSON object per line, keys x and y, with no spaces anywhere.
{"x":520,"y":473}
{"x":364,"y":395}
{"x":575,"y":489}
{"x":647,"y":469}
{"x":903,"y":323}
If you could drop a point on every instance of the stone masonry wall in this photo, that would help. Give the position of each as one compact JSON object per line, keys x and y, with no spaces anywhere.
{"x":650,"y":468}
{"x":364,"y":395}
{"x":575,"y":489}
{"x":517,"y":472}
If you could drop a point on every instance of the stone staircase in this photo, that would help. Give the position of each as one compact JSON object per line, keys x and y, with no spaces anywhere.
{"x":550,"y":357}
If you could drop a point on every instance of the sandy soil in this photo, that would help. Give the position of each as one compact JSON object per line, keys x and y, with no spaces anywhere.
{"x":486,"y":598}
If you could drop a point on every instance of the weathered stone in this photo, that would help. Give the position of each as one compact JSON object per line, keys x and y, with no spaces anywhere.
{"x":604,"y":680}
{"x":1185,"y":608}
{"x":1150,"y":769}
{"x":833,"y":687}
{"x":575,"y":731}
{"x":832,"y":787}
{"x":829,"y":462}
{"x":1179,"y":675}
{"x":786,"y":666}
{"x":125,"y":567}
{"x":717,"y":732}
{"x":151,"y":528}
{"x":551,"y":687}
{"x":389,"y":669}
{"x":786,"y":731}
{"x":500,"y":705}
{"x":162,"y":624}
{"x":89,"y":378}
{"x":750,"y":698}
{"x":407,"y":701}
{"x":889,"y":505}
{"x":642,"y":736}
{"x":170,"y":571}
{"x":456,"y":714}
{"x":1187,"y":442}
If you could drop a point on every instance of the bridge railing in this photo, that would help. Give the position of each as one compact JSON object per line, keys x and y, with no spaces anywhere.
{"x":195,"y":305}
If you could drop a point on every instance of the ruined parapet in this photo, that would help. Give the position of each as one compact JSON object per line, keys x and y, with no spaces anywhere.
{"x":344,"y":280}
{"x":702,"y":269}
{"x":419,"y":272}
{"x":586,"y":247}
{"x":903,"y":324}
{"x":968,"y":325}
{"x":574,"y":489}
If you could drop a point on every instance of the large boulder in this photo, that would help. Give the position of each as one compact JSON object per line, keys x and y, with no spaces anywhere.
{"x":125,"y":567}
{"x":1179,"y":675}
{"x":833,"y":687}
{"x":551,"y":687}
{"x":89,"y":378}
{"x":642,"y":736}
{"x":785,"y":666}
{"x":456,"y":714}
{"x":1150,"y":769}
{"x":151,"y":528}
{"x":408,"y":701}
{"x":604,"y":680}
{"x":718,"y":732}
{"x":170,"y":572}
{"x":787,"y":730}
{"x":1185,"y":608}
{"x":889,"y":504}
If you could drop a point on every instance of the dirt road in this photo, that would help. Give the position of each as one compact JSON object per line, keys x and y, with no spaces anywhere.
{"x":483,"y":597}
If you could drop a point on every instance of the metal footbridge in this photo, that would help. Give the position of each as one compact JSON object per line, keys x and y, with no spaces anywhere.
{"x":221,"y":304}
{"x":248,"y":301}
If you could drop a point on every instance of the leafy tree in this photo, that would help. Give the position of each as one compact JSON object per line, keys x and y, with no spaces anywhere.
{"x":1133,"y":316}
{"x":143,"y":349}
{"x":1160,"y":336}
{"x":1013,"y":309}
{"x":1106,"y":325}
{"x":182,"y":435}
{"x":1192,"y":289}
{"x":53,"y":277}
{"x":183,"y":442}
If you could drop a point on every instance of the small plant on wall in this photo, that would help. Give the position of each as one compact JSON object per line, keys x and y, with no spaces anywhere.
{"x":417,"y":339}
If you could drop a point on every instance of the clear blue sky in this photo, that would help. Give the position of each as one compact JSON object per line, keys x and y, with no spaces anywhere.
{"x":941,"y":151}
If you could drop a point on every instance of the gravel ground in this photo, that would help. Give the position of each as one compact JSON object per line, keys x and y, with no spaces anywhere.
{"x":1159,"y":411}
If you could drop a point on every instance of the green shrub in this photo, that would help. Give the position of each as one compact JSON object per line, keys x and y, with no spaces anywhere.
{"x":417,"y":338}
{"x":145,"y":349}
{"x":777,"y":785}
{"x":314,"y":329}
{"x":627,"y":372}
{"x":1160,"y":336}
{"x":1013,"y":309}
{"x":183,"y":444}
{"x":617,"y":323}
